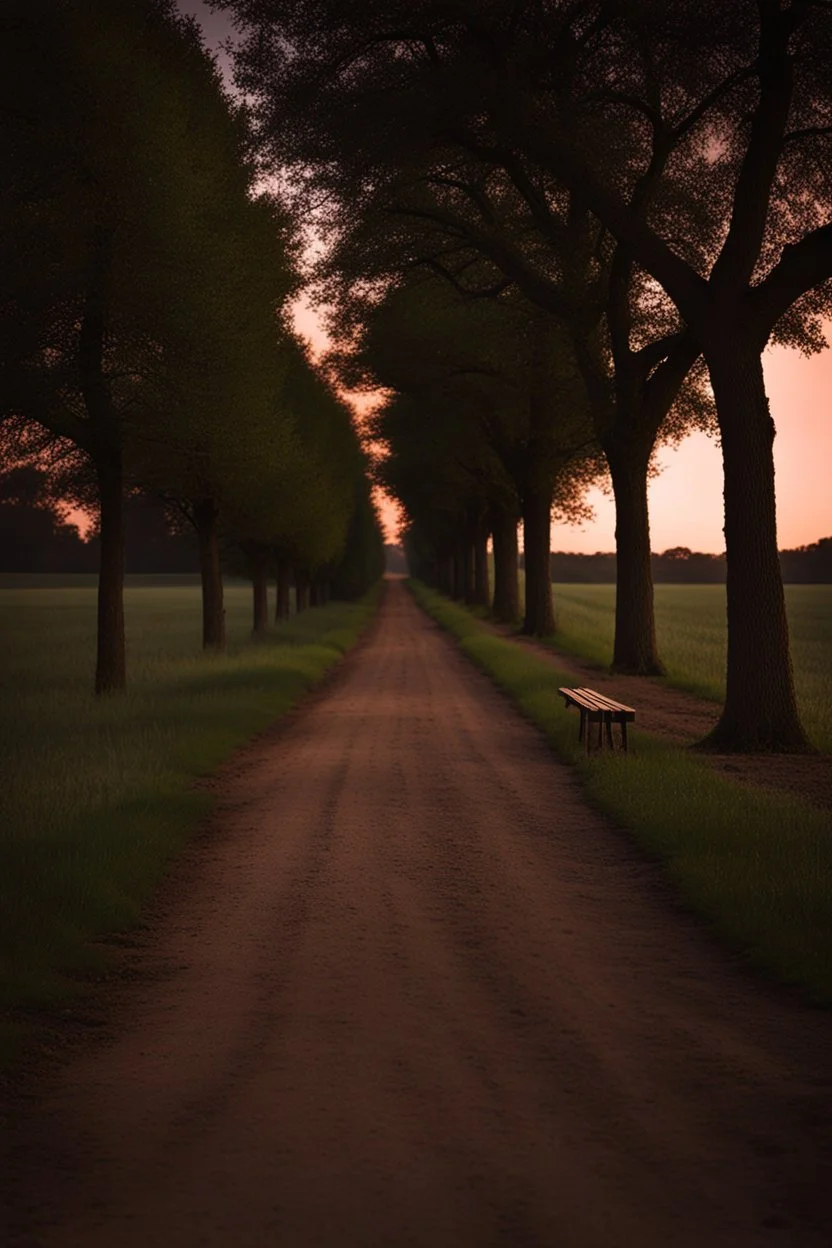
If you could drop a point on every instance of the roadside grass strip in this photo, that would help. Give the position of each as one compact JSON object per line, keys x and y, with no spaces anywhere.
{"x":99,"y":793}
{"x":757,"y":865}
{"x":692,"y":636}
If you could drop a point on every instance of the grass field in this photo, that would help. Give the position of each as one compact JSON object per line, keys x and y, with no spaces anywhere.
{"x":756,"y":865}
{"x":690,"y":625}
{"x":97,"y":794}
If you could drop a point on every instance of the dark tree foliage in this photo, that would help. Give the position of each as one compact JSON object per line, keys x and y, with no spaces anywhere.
{"x":695,"y":135}
{"x":117,"y":146}
{"x":362,"y":563}
{"x":140,"y":338}
{"x":489,"y":425}
{"x":381,"y":130}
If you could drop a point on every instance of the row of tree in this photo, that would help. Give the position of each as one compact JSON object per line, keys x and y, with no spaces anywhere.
{"x":143,"y":339}
{"x":35,"y":538}
{"x":566,"y":231}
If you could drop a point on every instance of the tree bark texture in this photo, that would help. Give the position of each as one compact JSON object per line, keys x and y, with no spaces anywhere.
{"x":635,"y":650}
{"x":506,"y":605}
{"x":206,"y":514}
{"x":111,"y":660}
{"x":760,"y":711}
{"x":283,"y":578}
{"x":539,"y":618}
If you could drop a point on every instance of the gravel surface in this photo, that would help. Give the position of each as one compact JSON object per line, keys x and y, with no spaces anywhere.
{"x":409,"y":990}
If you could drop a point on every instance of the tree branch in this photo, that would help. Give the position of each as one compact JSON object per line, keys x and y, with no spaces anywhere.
{"x":801,"y":267}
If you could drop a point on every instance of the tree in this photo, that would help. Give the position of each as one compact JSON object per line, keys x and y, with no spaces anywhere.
{"x":132,"y":307}
{"x":384,"y":137}
{"x":727,"y":104}
{"x":362,"y":563}
{"x":763,"y":90}
{"x":496,"y":386}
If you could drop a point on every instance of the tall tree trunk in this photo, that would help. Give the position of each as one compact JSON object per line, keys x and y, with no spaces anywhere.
{"x":760,"y":711}
{"x":482,"y":589}
{"x":539,"y":619}
{"x":206,"y":514}
{"x":283,"y":580}
{"x":635,"y":650}
{"x":260,"y":593}
{"x":301,"y":590}
{"x":111,"y":664}
{"x":316,"y":593}
{"x":506,"y":605}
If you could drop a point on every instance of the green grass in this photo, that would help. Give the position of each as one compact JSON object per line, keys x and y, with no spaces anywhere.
{"x":690,"y":627}
{"x":757,"y":865}
{"x":97,"y":794}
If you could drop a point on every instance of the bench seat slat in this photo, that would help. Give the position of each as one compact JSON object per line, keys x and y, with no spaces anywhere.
{"x":609,"y":704}
{"x":592,"y":701}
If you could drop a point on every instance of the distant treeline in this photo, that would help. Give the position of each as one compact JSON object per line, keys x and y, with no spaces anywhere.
{"x":805,"y":565}
{"x":34,"y":537}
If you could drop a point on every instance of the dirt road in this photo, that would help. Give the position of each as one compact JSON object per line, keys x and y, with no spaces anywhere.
{"x":411,"y":991}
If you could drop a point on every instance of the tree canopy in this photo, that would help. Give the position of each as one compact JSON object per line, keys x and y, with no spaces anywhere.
{"x":656,"y":176}
{"x":143,"y":293}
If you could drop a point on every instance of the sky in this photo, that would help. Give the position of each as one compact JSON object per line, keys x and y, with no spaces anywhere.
{"x":686,"y":496}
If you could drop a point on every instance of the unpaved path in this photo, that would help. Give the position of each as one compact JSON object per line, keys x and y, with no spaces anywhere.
{"x":412,"y":992}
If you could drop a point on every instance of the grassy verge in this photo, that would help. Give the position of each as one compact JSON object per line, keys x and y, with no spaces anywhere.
{"x":97,"y":794}
{"x":756,"y":865}
{"x":691,"y":631}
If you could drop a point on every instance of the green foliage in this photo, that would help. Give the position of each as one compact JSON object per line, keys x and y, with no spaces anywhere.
{"x":98,"y":794}
{"x":756,"y":865}
{"x":330,"y":465}
{"x":362,"y":563}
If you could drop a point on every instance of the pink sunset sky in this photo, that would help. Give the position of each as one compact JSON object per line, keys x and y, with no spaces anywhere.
{"x":686,"y":497}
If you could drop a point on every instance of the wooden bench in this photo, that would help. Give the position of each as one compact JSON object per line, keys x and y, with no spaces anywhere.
{"x":597,"y":709}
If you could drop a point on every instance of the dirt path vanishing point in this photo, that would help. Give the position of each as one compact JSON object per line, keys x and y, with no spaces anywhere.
{"x":411,"y":991}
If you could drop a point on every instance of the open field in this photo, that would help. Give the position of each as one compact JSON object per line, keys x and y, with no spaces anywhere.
{"x":690,"y":622}
{"x":755,"y":864}
{"x":97,"y":793}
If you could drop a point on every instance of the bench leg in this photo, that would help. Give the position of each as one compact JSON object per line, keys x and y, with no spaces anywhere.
{"x":582,"y":727}
{"x":608,"y":731}
{"x":624,"y":735}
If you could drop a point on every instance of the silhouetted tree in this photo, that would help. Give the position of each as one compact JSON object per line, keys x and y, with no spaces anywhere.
{"x":698,"y":136}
